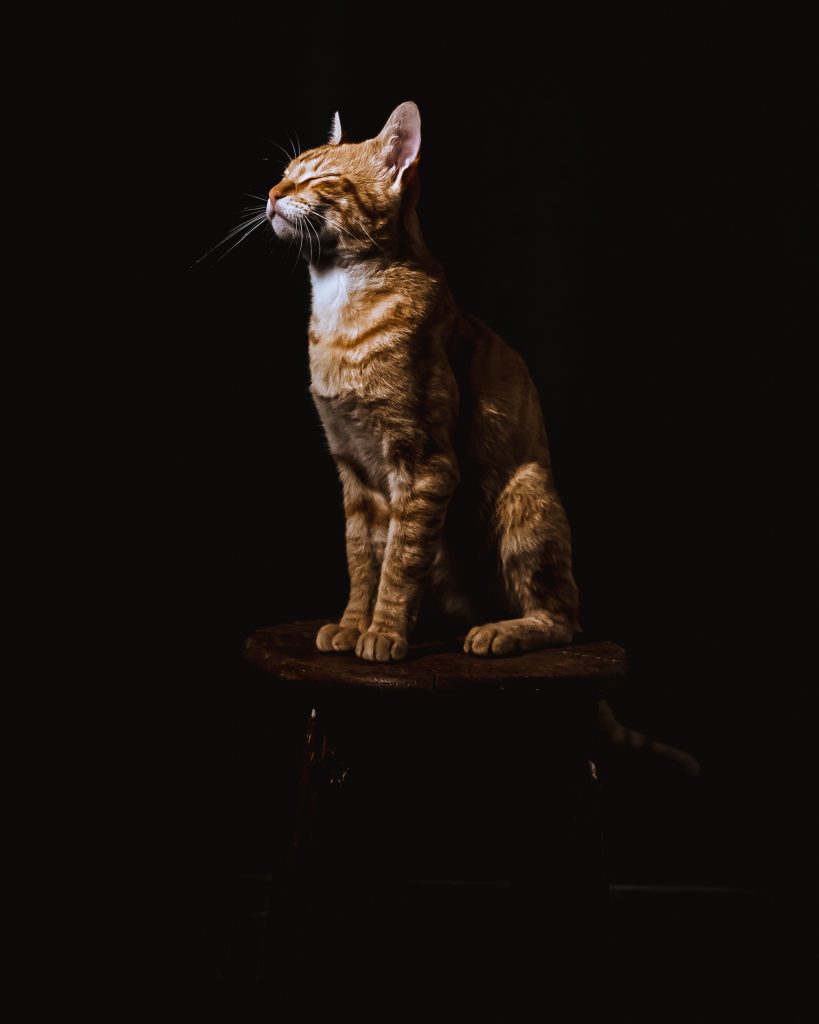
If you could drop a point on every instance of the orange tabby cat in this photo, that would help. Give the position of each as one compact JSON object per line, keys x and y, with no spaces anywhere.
{"x":432,"y":419}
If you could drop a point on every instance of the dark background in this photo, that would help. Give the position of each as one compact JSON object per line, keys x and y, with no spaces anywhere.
{"x":628,"y":208}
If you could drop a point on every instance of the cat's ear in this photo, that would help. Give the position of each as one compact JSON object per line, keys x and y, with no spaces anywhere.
{"x":400,"y":138}
{"x":336,"y":134}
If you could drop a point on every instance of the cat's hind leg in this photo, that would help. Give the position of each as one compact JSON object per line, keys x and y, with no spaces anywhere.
{"x":534,"y":550}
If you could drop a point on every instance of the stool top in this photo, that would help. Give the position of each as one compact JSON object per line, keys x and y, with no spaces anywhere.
{"x":289,"y":651}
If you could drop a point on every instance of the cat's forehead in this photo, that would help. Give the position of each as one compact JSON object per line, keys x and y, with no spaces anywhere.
{"x":308,"y":165}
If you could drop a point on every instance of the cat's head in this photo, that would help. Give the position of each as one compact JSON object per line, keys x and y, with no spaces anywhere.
{"x":347,"y":197}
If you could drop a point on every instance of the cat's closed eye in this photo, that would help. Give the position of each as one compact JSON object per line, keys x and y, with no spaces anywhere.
{"x":318,"y":177}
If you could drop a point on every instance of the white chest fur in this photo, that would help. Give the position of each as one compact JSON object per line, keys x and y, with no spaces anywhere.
{"x":348,"y":304}
{"x":332,"y":292}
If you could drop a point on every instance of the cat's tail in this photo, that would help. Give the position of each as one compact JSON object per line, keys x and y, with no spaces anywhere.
{"x":617,"y":735}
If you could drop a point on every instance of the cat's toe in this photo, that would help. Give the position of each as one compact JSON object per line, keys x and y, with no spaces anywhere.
{"x":333,"y":637}
{"x":493,"y":638}
{"x":479,"y":639}
{"x":373,"y":646}
{"x":504,"y":642}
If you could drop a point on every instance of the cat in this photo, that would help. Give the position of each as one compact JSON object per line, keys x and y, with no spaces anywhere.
{"x":432,"y":419}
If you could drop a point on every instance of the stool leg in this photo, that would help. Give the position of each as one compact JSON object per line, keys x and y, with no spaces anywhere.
{"x":287,"y":903}
{"x":313,"y":749}
{"x":297,"y":890}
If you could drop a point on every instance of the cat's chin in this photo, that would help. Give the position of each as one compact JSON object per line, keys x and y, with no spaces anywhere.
{"x":282,"y":228}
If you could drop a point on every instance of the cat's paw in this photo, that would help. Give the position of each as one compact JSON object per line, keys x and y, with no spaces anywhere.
{"x":333,"y":637}
{"x":492,"y":638}
{"x":514,"y":636}
{"x":375,"y":646}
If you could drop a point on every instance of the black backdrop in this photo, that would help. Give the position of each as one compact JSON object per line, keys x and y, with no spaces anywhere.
{"x":629,"y":211}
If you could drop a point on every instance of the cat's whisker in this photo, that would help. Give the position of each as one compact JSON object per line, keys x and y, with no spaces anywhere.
{"x":246,"y":220}
{"x":338,"y":227}
{"x":311,"y":232}
{"x":241,"y":226}
{"x":284,"y":252}
{"x":315,"y":232}
{"x":276,"y":144}
{"x":306,"y":223}
{"x":334,"y":227}
{"x":244,"y":236}
{"x":320,"y":225}
{"x":304,"y":236}
{"x":260,"y":217}
{"x":367,"y":233}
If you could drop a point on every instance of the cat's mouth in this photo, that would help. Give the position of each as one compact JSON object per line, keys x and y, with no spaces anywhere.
{"x":271,"y":215}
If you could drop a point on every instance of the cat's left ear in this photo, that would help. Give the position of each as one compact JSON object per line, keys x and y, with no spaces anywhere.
{"x":336,"y":133}
{"x":400,"y":138}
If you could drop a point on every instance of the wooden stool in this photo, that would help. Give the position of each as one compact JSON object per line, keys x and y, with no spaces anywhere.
{"x":444,"y":796}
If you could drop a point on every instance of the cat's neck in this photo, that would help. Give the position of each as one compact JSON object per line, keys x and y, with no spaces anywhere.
{"x":405,"y":245}
{"x":342,"y":289}
{"x":335,"y":284}
{"x":353,"y":292}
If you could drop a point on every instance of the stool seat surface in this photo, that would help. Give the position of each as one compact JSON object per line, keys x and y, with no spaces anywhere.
{"x":289,"y":652}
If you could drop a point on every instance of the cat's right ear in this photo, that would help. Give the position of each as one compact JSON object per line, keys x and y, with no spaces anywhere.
{"x":336,"y":134}
{"x":400,"y":139}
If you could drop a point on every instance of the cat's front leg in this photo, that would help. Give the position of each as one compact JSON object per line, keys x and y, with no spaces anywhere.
{"x":366,"y":515}
{"x":418,"y":504}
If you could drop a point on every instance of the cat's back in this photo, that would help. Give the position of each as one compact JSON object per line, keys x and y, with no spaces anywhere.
{"x":501,"y":420}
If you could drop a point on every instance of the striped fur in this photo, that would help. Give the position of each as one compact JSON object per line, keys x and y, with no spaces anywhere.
{"x":432,"y":419}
